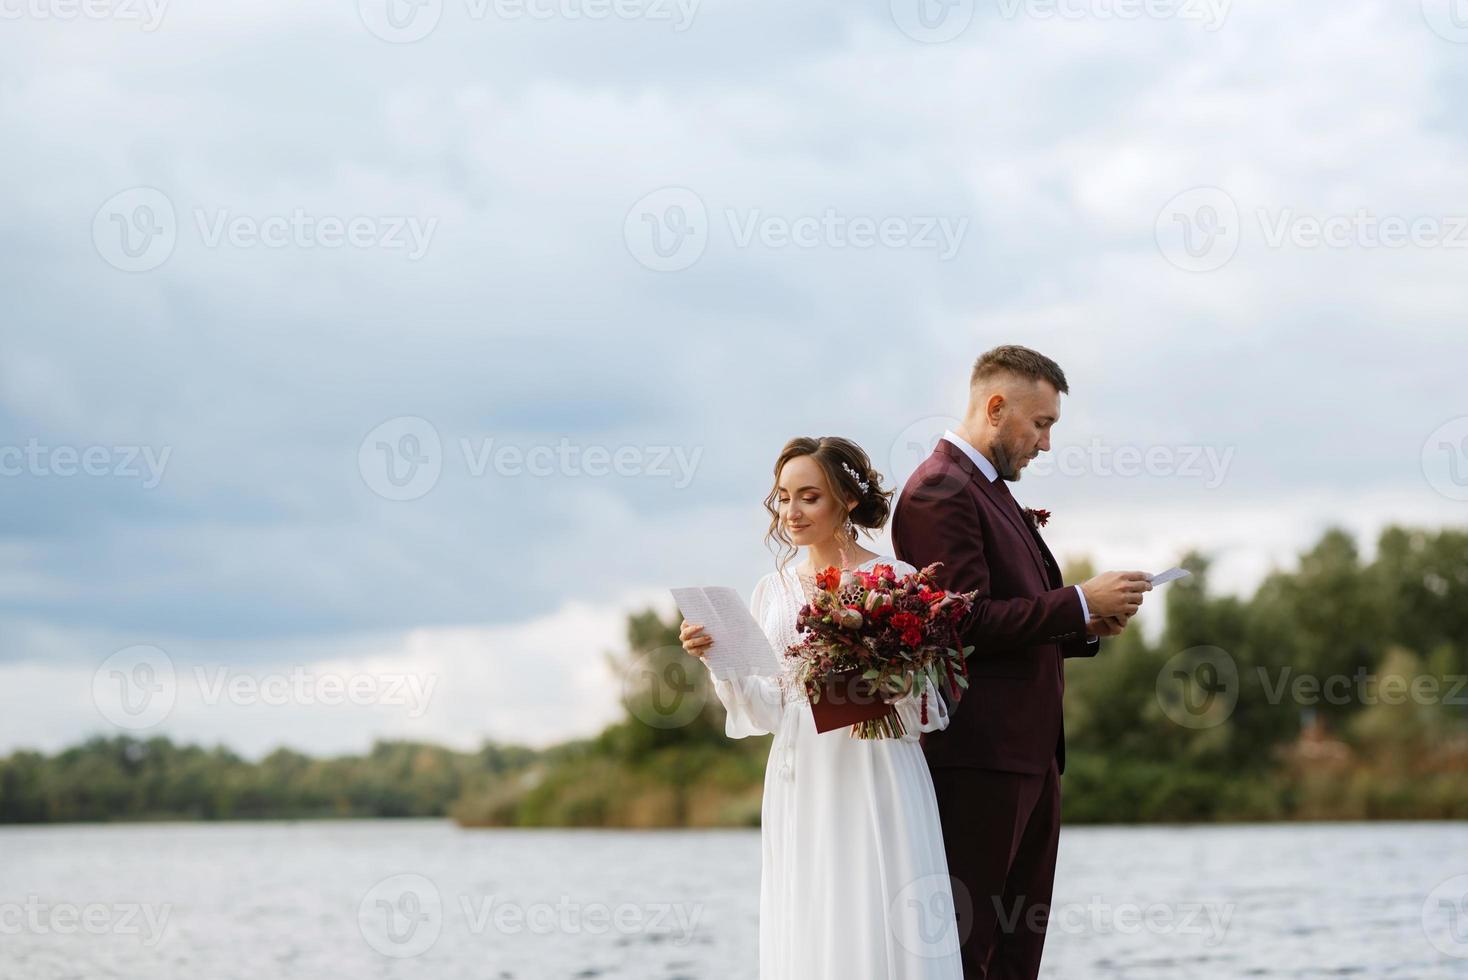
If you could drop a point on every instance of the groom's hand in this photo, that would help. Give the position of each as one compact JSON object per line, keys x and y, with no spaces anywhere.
{"x":1110,"y":626}
{"x":1115,"y":595}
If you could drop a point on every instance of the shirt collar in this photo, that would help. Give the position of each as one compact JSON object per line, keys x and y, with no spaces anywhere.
{"x":979,"y":460}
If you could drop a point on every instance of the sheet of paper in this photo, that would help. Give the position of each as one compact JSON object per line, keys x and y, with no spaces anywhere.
{"x":1162,"y":578}
{"x":740,"y":647}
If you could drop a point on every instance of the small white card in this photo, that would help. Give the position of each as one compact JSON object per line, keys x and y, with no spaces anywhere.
{"x":1162,"y":578}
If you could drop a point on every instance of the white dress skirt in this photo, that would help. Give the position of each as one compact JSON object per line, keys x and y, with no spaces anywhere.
{"x":854,"y":881}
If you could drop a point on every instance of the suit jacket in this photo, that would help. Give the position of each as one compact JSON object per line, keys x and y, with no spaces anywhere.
{"x":1025,"y":621}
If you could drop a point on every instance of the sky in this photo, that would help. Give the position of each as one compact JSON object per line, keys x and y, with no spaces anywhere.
{"x":363,"y":365}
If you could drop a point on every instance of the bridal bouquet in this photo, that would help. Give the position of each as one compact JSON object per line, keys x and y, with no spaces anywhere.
{"x":873,"y":635}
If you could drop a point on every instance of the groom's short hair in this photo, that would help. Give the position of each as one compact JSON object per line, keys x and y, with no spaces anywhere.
{"x":1018,"y":360}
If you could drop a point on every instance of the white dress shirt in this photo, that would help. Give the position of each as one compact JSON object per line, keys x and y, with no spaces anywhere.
{"x":990,"y":473}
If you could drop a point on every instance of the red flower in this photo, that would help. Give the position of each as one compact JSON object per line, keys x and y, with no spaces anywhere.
{"x":905,"y":621}
{"x":912,"y":637}
{"x":828,"y":579}
{"x":1038,"y":516}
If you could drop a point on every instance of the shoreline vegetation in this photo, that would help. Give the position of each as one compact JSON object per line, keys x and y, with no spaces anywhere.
{"x":1335,"y":693}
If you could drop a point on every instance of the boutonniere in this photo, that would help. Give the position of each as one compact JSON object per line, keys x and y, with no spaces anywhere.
{"x":1037,"y":516}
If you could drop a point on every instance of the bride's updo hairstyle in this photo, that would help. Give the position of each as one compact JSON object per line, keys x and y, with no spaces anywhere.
{"x":846,"y":467}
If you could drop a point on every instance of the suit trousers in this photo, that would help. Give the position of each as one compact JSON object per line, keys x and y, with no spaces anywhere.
{"x":1000,"y":831}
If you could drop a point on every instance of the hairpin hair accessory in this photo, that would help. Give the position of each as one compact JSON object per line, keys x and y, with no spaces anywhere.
{"x":865,"y":486}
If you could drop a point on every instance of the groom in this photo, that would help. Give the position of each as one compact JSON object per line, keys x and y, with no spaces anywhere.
{"x":996,"y":767}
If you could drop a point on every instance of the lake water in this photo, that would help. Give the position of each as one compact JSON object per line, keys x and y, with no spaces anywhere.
{"x":390,"y":899}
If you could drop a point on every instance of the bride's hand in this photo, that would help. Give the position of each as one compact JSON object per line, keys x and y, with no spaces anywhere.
{"x":896,"y":692}
{"x":693,"y":642}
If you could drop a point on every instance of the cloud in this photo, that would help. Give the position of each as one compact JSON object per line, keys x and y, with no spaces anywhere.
{"x":1319,"y":372}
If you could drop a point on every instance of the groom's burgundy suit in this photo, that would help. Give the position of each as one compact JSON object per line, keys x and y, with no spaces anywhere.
{"x":996,"y":767}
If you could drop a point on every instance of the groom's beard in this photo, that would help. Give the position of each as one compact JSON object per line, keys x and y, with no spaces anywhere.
{"x":1004,"y":463}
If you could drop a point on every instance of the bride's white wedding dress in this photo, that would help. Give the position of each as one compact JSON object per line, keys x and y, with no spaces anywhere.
{"x":854,"y":881}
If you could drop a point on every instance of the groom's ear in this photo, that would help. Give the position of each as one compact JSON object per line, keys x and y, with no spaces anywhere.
{"x":994,"y":407}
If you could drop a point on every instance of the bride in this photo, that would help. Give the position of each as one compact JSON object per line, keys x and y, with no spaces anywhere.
{"x":854,"y":881}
